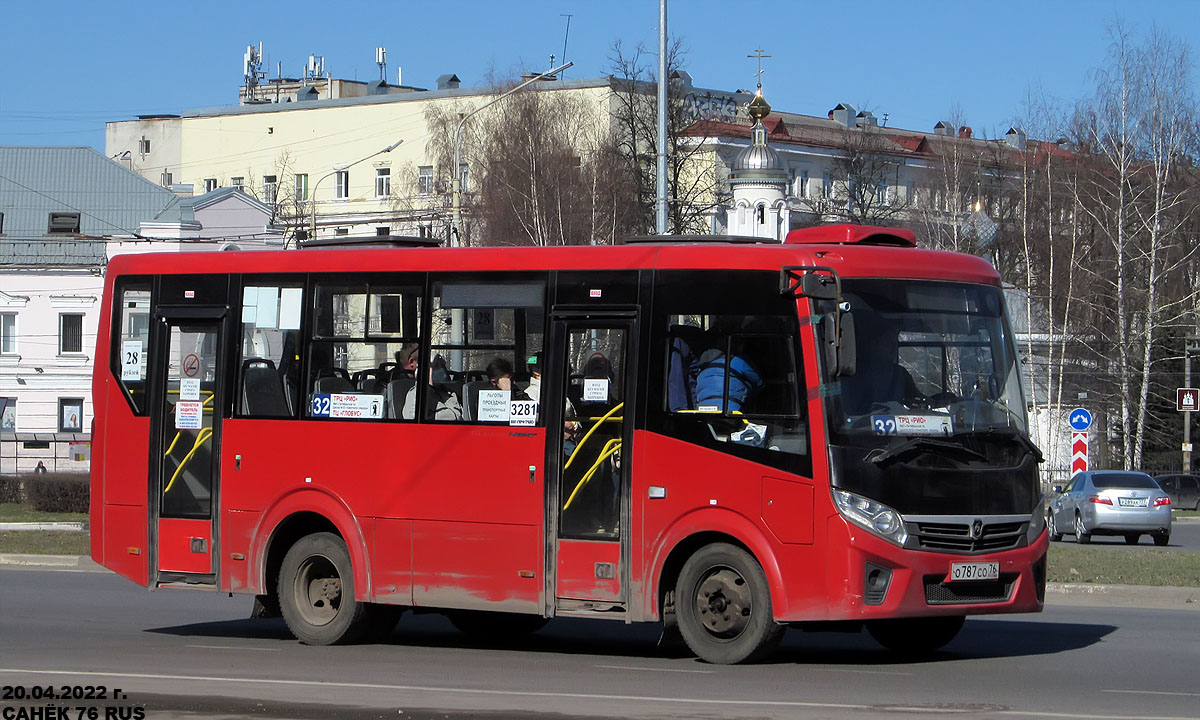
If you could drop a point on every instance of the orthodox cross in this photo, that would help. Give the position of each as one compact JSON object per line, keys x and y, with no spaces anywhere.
{"x":758,"y":53}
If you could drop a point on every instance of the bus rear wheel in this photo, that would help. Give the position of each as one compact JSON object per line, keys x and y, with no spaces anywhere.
{"x":723,"y":604}
{"x":916,"y":636}
{"x":316,"y":592}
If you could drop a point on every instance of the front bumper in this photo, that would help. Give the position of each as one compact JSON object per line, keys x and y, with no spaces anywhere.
{"x":918,"y":583}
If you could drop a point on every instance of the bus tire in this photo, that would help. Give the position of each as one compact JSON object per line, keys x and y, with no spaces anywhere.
{"x":495,"y":626}
{"x":723,"y":604}
{"x":316,"y":592}
{"x":916,"y":636}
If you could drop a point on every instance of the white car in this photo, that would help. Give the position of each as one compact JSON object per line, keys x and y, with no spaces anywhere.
{"x":1110,"y":502}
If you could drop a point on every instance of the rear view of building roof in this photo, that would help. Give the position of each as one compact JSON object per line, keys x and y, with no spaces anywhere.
{"x":37,"y":182}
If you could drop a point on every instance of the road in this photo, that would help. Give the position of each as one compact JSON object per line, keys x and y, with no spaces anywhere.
{"x":193,"y":654}
{"x":1185,"y":535}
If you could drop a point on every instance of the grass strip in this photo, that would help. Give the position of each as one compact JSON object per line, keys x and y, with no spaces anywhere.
{"x":1072,"y":563}
{"x":44,"y":542}
{"x":24,"y":512}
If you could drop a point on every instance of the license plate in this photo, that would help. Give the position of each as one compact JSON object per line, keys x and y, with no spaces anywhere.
{"x":1134,"y":502}
{"x":974,"y":571}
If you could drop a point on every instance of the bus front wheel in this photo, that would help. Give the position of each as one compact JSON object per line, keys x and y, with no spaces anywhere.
{"x":915,"y":636}
{"x":723,"y":604}
{"x":316,"y":592}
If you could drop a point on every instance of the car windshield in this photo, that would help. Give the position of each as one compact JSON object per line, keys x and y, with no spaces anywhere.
{"x":1124,"y":480}
{"x":933,"y":358}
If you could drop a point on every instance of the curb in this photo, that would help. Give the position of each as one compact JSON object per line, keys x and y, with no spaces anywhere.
{"x":51,"y":562}
{"x":72,"y":526}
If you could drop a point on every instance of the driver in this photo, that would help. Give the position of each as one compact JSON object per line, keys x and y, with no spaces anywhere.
{"x":879,"y":377}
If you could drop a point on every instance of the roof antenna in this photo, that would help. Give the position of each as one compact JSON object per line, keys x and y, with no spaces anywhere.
{"x":566,"y":34}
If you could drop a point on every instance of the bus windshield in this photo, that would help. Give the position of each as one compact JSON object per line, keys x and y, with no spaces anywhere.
{"x":933,"y":359}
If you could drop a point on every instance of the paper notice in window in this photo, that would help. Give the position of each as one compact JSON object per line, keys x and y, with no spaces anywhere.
{"x":290,"y":300}
{"x":131,"y":360}
{"x":493,"y":406}
{"x":189,"y":388}
{"x":595,"y":389}
{"x":189,"y":415}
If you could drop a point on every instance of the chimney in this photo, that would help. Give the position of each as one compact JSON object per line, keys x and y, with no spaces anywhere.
{"x":1016,"y":138}
{"x":448,"y":81}
{"x":964,"y":132}
{"x":845,"y":115}
{"x":944,"y":127}
{"x":867,"y":119}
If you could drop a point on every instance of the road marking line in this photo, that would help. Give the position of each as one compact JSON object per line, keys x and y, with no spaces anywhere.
{"x":1154,"y":692}
{"x":588,"y":696}
{"x":650,"y":669}
{"x":863,"y":672}
{"x":231,"y":647}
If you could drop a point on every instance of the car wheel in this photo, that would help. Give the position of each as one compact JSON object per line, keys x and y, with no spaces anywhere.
{"x":1162,"y":538}
{"x":1131,"y":538}
{"x":915,"y":636}
{"x":723,"y":604}
{"x":316,"y":592}
{"x":1055,"y":535}
{"x":1082,"y":536}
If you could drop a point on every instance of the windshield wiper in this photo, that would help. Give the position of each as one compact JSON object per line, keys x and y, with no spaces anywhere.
{"x":921,"y":446}
{"x":1021,"y":438}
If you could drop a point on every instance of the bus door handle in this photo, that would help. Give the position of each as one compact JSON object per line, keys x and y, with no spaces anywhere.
{"x":532,"y":473}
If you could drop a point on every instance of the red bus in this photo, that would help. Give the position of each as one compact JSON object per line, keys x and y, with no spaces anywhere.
{"x":729,"y":438}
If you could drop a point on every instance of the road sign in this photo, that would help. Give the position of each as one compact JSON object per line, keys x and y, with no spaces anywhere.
{"x":1187,"y":399}
{"x":1079,"y":453}
{"x":1080,"y":419}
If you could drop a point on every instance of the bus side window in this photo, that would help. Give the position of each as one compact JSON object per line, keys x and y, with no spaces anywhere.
{"x":131,"y":344}
{"x":365,"y":336}
{"x":269,"y":366}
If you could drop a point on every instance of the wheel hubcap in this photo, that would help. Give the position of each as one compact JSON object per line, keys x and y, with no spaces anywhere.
{"x":723,"y":603}
{"x":318,"y":590}
{"x":1079,"y":531}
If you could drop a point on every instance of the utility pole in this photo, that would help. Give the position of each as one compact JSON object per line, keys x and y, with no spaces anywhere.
{"x":661,"y":201}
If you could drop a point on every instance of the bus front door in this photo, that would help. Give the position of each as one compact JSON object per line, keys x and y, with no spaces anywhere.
{"x":186,"y":409}
{"x":591,"y":364}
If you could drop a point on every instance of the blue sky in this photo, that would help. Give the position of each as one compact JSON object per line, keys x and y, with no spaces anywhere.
{"x":917,"y":61}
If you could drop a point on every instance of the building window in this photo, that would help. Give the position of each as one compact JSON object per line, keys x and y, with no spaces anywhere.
{"x":881,"y":193}
{"x":8,"y":414}
{"x":302,"y":186}
{"x":210,"y":184}
{"x":761,"y":213}
{"x":343,"y":184}
{"x":70,"y":333}
{"x":70,"y":414}
{"x":270,"y":189}
{"x":167,"y":179}
{"x":1,"y":223}
{"x":803,"y":184}
{"x":383,"y":231}
{"x":383,"y":182}
{"x":425,"y":180}
{"x":144,"y":146}
{"x":239,"y":183}
{"x":64,"y":223}
{"x":826,"y":186}
{"x":8,"y":332}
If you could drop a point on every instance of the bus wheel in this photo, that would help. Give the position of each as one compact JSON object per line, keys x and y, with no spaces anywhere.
{"x":724,"y":606}
{"x":496,"y":626}
{"x":915,"y":636}
{"x":316,"y":592}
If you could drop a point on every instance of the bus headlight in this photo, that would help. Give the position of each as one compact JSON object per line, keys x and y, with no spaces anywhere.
{"x":874,"y":517}
{"x":1037,"y":522}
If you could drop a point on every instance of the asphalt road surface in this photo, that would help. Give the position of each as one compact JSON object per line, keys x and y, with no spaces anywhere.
{"x":1185,"y":535}
{"x":191,"y":654}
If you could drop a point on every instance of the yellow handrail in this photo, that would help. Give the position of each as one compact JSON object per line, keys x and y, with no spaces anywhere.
{"x":595,"y":425}
{"x":610,"y":448}
{"x":201,"y":438}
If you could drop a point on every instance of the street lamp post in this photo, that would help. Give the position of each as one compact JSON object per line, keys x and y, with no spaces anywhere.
{"x":456,"y":234}
{"x":340,"y":167}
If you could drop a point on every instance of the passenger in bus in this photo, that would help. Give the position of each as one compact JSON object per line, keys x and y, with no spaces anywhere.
{"x":407,"y":357}
{"x":879,"y":378}
{"x":712,"y":367}
{"x":500,"y":373}
{"x":441,"y":404}
{"x":438,"y":371}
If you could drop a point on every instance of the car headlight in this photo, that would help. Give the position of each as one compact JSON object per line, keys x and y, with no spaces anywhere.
{"x":1037,"y":522}
{"x":874,"y":517}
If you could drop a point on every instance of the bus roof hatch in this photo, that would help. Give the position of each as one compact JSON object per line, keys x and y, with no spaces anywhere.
{"x":852,"y":234}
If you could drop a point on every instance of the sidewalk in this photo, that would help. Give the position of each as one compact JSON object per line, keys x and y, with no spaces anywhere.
{"x":1057,"y":594}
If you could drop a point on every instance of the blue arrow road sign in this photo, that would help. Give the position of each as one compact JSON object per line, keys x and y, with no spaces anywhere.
{"x":1080,"y":419}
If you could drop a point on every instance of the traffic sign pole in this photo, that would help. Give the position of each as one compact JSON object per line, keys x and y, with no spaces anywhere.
{"x":1079,"y":453}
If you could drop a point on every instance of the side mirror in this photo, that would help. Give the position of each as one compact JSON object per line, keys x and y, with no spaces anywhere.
{"x":1058,"y":489}
{"x":840,"y":354}
{"x":818,"y":287}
